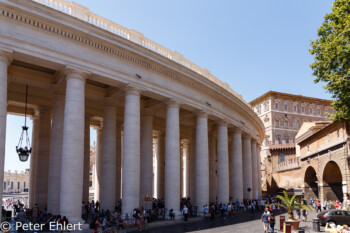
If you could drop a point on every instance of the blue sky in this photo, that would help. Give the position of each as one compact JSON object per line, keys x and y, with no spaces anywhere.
{"x":255,"y":46}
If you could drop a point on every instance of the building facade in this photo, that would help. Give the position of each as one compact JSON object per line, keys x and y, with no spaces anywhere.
{"x":282,"y":115}
{"x":324,"y":155}
{"x":16,"y":182}
{"x":143,"y":99}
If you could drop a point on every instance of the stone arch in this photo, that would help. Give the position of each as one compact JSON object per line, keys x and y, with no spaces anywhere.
{"x":310,"y":183}
{"x":332,"y":181}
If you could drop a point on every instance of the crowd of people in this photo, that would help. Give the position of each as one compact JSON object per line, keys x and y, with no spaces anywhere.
{"x":97,"y":217}
{"x":325,"y":205}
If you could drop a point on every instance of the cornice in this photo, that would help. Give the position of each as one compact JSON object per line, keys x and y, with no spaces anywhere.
{"x":127,"y":51}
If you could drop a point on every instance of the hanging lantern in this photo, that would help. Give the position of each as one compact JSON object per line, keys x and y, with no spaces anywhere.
{"x":23,"y":149}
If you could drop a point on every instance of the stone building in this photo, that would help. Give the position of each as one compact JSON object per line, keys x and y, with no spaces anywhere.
{"x":16,"y":182}
{"x":325,"y":156}
{"x":144,"y":100}
{"x":282,"y":115}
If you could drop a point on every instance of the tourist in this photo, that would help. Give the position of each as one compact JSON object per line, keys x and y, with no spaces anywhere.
{"x":265,"y":219}
{"x":332,"y":228}
{"x":185,"y":213}
{"x":171,"y":214}
{"x":142,"y":219}
{"x":346,"y":229}
{"x":35,"y":213}
{"x":95,"y":224}
{"x":304,"y":215}
{"x":297,"y":211}
{"x":319,"y":206}
{"x":105,"y":223}
{"x":272,"y":222}
{"x":212,"y":211}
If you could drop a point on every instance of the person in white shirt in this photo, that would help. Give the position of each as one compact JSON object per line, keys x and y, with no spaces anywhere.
{"x":185,"y":213}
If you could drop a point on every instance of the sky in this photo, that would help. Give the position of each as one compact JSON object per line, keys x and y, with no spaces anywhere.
{"x":255,"y":46}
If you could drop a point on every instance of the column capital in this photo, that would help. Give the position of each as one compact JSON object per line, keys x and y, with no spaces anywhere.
{"x":110,"y":102}
{"x":246,"y":136}
{"x":173,"y":103}
{"x":202,"y":114}
{"x":43,"y":109}
{"x":222,"y":123}
{"x":131,"y":90}
{"x":76,"y":72}
{"x":158,"y":134}
{"x":6,"y":55}
{"x":58,"y":91}
{"x":236,"y":130}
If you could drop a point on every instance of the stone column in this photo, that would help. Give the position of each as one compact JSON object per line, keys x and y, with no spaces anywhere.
{"x":259,"y":169}
{"x":223,"y":174}
{"x":98,"y":157}
{"x":108,"y":159}
{"x":42,"y":158}
{"x":73,"y":146}
{"x":247,"y":171}
{"x":193,"y":167}
{"x":172,"y":158}
{"x":118,"y":194}
{"x":5,"y":59}
{"x":237,"y":166}
{"x":54,"y":185}
{"x":212,"y":167}
{"x":230,"y":166}
{"x":146,"y":177}
{"x":86,"y":183}
{"x":35,"y":133}
{"x":131,"y":151}
{"x":187,"y":154}
{"x":202,"y":161}
{"x":254,"y":169}
{"x":181,"y":170}
{"x":160,"y":166}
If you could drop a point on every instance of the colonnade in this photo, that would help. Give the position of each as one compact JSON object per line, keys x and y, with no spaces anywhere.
{"x":59,"y":178}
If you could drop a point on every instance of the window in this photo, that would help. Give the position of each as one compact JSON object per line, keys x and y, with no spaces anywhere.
{"x":18,"y":185}
{"x":295,"y":124}
{"x":4,"y":185}
{"x":24,"y":184}
{"x":281,"y":158}
{"x":276,"y":123}
{"x":302,"y":109}
{"x":285,"y":107}
{"x":286,"y":124}
{"x":279,"y":139}
{"x":318,"y":111}
{"x":266,"y":141}
{"x":295,"y":108}
{"x":310,"y":110}
{"x":266,"y":107}
{"x":11,"y":185}
{"x":276,"y":105}
{"x":258,"y":110}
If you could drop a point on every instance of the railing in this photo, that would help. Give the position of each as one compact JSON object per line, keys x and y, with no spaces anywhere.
{"x":289,"y":164}
{"x":83,"y":13}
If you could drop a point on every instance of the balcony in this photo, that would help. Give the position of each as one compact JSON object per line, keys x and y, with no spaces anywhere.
{"x":289,"y":164}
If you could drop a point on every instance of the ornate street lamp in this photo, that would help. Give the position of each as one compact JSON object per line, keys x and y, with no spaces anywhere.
{"x":23,"y":149}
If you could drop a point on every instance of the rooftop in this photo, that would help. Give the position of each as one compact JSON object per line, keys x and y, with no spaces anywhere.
{"x":289,"y":96}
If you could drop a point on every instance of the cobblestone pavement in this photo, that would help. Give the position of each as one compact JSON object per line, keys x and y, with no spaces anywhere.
{"x":240,"y":223}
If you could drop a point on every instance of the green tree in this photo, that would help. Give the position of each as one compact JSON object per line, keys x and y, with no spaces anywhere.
{"x":332,"y":57}
{"x":290,"y":204}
